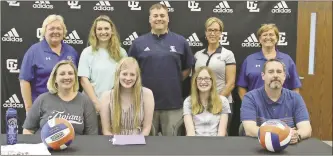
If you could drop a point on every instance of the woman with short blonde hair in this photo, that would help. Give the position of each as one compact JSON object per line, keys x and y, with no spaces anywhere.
{"x":250,"y":73}
{"x":41,"y":57}
{"x":63,"y":101}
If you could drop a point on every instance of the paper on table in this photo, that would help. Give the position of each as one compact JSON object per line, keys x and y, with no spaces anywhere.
{"x":128,"y":140}
{"x":25,"y":149}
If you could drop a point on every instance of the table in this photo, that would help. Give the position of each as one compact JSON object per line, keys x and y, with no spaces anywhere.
{"x":179,"y":145}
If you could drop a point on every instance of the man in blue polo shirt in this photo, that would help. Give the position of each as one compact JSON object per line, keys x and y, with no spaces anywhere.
{"x":165,"y":59}
{"x":272,"y":101}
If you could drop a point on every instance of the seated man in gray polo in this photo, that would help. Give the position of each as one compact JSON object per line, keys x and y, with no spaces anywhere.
{"x":272,"y":101}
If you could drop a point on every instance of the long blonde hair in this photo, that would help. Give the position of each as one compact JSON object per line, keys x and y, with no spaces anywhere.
{"x":52,"y":86}
{"x":113,"y":47}
{"x":214,"y":101}
{"x":117,"y":110}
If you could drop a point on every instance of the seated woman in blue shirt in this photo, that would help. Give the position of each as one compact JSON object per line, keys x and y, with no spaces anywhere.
{"x":205,"y":111}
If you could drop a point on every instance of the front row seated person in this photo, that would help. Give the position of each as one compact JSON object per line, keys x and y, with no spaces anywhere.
{"x":272,"y":101}
{"x":128,"y":108}
{"x":205,"y":111}
{"x":62,"y":101}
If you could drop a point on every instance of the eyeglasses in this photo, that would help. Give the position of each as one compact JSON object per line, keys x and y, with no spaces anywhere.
{"x":214,"y":31}
{"x":206,"y":79}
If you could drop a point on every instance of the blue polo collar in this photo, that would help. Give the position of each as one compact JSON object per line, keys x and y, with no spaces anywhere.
{"x":46,"y":47}
{"x":268,"y":100}
{"x":262,"y":57}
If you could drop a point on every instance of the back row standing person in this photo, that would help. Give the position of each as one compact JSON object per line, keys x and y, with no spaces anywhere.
{"x":98,"y":62}
{"x":219,"y":59}
{"x":165,"y":59}
{"x":250,"y":74}
{"x":41,"y":57}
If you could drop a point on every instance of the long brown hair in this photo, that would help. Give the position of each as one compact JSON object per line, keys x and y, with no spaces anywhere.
{"x":136,"y":94}
{"x":214,"y":101}
{"x":113,"y":47}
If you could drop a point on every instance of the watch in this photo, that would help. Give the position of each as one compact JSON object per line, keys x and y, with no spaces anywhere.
{"x":299,"y":138}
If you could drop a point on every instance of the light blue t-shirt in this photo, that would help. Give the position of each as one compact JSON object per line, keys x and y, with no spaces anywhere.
{"x":99,"y":68}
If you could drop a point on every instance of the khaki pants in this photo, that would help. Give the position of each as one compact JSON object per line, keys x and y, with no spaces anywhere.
{"x":167,"y":120}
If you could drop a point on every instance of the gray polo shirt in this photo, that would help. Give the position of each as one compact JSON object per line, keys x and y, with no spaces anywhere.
{"x":80,"y":112}
{"x":217,"y":62}
{"x":206,"y":123}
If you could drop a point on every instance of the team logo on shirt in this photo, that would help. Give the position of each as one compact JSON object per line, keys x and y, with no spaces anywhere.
{"x":73,"y":119}
{"x":12,"y":36}
{"x":173,"y":49}
{"x":194,"y":41}
{"x":223,"y":7}
{"x":281,"y":8}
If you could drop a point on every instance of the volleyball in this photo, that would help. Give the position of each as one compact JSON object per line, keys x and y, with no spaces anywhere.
{"x":57,"y":134}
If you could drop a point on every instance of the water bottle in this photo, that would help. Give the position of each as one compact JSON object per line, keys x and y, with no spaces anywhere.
{"x":12,"y":127}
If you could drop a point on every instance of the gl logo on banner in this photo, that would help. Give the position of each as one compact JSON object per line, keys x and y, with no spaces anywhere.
{"x":282,"y":39}
{"x":252,"y":6}
{"x":12,"y":65}
{"x":74,"y":4}
{"x":224,"y":38}
{"x":194,"y":6}
{"x":13,"y":3}
{"x":134,"y":5}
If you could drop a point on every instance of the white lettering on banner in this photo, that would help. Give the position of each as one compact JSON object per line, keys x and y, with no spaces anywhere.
{"x":13,"y":3}
{"x":252,"y":6}
{"x":194,"y":6}
{"x":73,"y":38}
{"x":39,"y":33}
{"x":12,"y":65}
{"x":282,"y":39}
{"x":194,"y":41}
{"x":251,"y":41}
{"x":224,"y":38}
{"x":223,"y":7}
{"x":167,"y":4}
{"x":42,"y":5}
{"x":281,"y":7}
{"x":130,"y":39}
{"x":12,"y":36}
{"x":73,"y":119}
{"x":13,"y":102}
{"x":74,"y":4}
{"x":103,"y":6}
{"x":134,"y":5}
